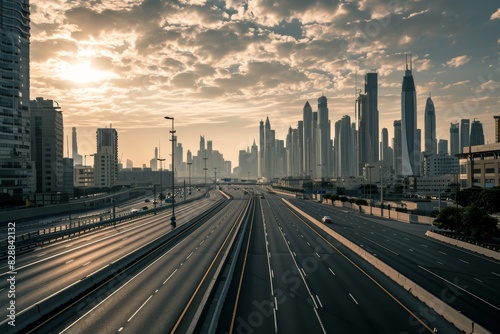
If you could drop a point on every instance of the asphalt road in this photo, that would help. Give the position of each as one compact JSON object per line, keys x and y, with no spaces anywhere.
{"x":48,"y":269}
{"x":465,"y":280}
{"x":294,"y":281}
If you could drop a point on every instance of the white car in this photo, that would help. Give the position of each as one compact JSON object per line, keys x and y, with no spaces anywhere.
{"x":326,"y":219}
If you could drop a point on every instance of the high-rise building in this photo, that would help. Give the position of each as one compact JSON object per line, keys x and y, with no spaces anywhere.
{"x":308,"y":139}
{"x":430,"y":127}
{"x":371,"y":91}
{"x":106,"y":158}
{"x":47,"y":134}
{"x":476,"y":133}
{"x":497,"y":129}
{"x":464,"y":134}
{"x":344,"y":147}
{"x":454,"y":139}
{"x":409,"y":153}
{"x":17,"y":168}
{"x":364,"y":144}
{"x":398,"y":148}
{"x":323,"y":159}
{"x":384,"y":146}
{"x":77,"y":158}
{"x":443,"y":146}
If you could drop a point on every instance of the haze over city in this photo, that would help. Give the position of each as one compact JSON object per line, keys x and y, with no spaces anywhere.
{"x":219,"y":67}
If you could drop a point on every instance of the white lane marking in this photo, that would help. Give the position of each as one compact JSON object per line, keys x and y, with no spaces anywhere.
{"x":331,"y":271}
{"x":459,"y":287}
{"x":441,"y":263}
{"x":172,"y":274}
{"x":495,"y":273}
{"x":442,"y":253}
{"x":121,"y":328}
{"x":318,"y":255}
{"x":41,"y":254}
{"x":376,"y":243}
{"x":319,"y":301}
{"x":354,"y":299}
{"x":308,"y":243}
{"x":189,"y":256}
{"x":424,"y":246}
{"x":83,"y":265}
{"x":463,"y":261}
{"x":320,"y":322}
{"x":70,"y":261}
{"x":477,"y":279}
{"x":133,"y":315}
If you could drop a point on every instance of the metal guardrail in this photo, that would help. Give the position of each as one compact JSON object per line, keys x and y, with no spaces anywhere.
{"x":32,"y":239}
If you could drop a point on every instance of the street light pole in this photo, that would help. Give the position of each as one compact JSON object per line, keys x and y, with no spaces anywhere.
{"x":172,"y":219}
{"x":370,"y":184}
{"x":215,"y":174}
{"x":160,"y":197}
{"x":205,"y":169}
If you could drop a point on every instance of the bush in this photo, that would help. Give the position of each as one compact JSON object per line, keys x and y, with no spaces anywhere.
{"x":360,"y":201}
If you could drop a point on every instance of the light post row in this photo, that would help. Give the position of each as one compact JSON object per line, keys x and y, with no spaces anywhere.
{"x":172,"y":219}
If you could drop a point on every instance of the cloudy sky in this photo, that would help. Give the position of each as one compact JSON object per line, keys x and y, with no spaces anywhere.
{"x":219,"y":67}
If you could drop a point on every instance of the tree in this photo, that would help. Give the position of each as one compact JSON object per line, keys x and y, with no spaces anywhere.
{"x":449,"y":218}
{"x":477,"y":223}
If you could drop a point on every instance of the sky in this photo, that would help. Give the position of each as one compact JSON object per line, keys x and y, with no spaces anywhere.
{"x":219,"y":67}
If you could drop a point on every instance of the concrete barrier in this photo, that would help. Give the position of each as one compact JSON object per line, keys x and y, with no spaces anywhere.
{"x":462,"y":244}
{"x":453,"y":316}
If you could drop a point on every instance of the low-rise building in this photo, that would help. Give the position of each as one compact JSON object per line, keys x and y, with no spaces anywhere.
{"x":480,"y":166}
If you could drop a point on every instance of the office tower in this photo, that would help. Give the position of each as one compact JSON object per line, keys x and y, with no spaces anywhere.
{"x":430,"y":127}
{"x":47,"y":144}
{"x":398,"y":148}
{"x":77,"y":158}
{"x":248,"y":162}
{"x":418,"y":152}
{"x":261,"y":149}
{"x":371,"y":91}
{"x":464,"y":134}
{"x":17,"y":168}
{"x":454,"y":139}
{"x":307,"y":138}
{"x":364,"y":144}
{"x":344,"y":147}
{"x":476,"y":133}
{"x":410,"y":155}
{"x":497,"y":129}
{"x":106,"y":158}
{"x":268,"y":150}
{"x":384,"y":146}
{"x":153,"y":163}
{"x":323,"y":158}
{"x":443,"y":146}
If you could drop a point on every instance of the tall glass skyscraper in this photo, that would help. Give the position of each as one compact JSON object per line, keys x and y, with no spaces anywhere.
{"x":454,"y":139}
{"x":430,"y":127}
{"x":476,"y":133}
{"x":17,"y":169}
{"x":464,"y":134}
{"x":409,"y":139}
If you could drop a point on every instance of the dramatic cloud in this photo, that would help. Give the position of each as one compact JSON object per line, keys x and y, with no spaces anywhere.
{"x":234,"y":62}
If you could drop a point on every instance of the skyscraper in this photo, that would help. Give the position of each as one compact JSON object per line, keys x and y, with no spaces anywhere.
{"x":398,"y":148}
{"x":384,"y":146}
{"x":476,"y":133}
{"x":106,"y":158}
{"x":454,"y":139}
{"x":430,"y":127}
{"x":17,"y":168}
{"x":443,"y":146}
{"x":307,"y":139}
{"x":344,"y":148}
{"x":409,"y":158}
{"x":77,"y":158}
{"x":371,"y":91}
{"x":47,"y":144}
{"x":464,"y":134}
{"x":323,"y":161}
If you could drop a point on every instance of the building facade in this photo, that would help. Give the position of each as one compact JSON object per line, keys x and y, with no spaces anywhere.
{"x":47,"y":140}
{"x":106,"y":158}
{"x":430,"y":127}
{"x":409,"y":152}
{"x":480,"y":166}
{"x":17,"y":168}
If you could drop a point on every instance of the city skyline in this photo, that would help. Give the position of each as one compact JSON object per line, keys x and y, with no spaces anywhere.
{"x":229,"y":66}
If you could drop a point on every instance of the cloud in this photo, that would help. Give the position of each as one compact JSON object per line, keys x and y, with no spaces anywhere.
{"x":495,"y":15}
{"x":458,"y":61}
{"x":455,"y":84}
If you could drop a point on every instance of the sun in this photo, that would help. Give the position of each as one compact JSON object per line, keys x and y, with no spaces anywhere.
{"x":83,"y":73}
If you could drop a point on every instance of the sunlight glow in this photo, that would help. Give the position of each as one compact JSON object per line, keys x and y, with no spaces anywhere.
{"x":83,"y":73}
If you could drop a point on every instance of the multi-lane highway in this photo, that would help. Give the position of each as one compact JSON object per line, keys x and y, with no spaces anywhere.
{"x":296,"y":281}
{"x":290,"y":276}
{"x":466,"y":281}
{"x":49,"y":269}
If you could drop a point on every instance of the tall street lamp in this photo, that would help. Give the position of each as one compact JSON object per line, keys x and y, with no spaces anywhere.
{"x":172,"y":219}
{"x":160,"y":196}
{"x":369,"y":169}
